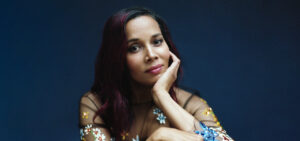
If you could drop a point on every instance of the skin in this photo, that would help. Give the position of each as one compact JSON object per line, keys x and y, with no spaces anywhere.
{"x":147,"y":51}
{"x":172,"y":134}
{"x":146,"y":48}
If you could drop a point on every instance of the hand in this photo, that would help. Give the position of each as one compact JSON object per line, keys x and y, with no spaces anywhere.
{"x":165,"y":82}
{"x":172,"y":134}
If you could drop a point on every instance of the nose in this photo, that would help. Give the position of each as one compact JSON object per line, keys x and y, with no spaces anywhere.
{"x":150,"y":54}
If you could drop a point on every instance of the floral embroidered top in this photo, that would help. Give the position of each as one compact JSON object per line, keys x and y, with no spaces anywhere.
{"x":146,"y":121}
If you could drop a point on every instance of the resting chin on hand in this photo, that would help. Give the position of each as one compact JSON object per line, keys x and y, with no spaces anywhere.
{"x":172,"y":134}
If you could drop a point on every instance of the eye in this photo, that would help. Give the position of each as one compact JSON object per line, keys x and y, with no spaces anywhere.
{"x":157,"y":42}
{"x":134,"y":48}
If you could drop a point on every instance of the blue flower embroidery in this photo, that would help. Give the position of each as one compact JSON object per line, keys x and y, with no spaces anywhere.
{"x":81,"y":134}
{"x":137,"y":138}
{"x":160,"y":115}
{"x":207,"y":133}
{"x":156,"y":111}
{"x":161,"y":118}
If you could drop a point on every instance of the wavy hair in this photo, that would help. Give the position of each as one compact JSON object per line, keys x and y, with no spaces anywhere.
{"x":111,"y":72}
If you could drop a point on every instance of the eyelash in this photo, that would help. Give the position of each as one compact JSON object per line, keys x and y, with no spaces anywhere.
{"x":130,"y":49}
{"x":136,"y":45}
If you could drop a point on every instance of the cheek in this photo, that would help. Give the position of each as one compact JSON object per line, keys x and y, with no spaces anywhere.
{"x":133,"y":63}
{"x":165,"y":53}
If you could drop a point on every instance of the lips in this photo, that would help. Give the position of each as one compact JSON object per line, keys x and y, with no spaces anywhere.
{"x":155,"y":68}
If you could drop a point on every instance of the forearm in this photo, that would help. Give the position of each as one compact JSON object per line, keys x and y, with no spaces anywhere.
{"x":183,"y":120}
{"x":177,"y":116}
{"x":172,"y":134}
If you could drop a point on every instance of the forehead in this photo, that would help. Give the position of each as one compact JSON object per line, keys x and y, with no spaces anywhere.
{"x":141,"y":26}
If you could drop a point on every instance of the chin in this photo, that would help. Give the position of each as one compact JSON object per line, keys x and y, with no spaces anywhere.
{"x":151,"y":82}
{"x":154,"y":80}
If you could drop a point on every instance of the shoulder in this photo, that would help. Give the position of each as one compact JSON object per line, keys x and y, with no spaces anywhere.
{"x":88,"y":107}
{"x":191,"y":102}
{"x":182,"y":95}
{"x":91,"y":100}
{"x":197,"y":106}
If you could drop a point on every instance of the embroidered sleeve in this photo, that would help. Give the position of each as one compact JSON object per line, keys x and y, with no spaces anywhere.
{"x":91,"y":130}
{"x":204,"y":114}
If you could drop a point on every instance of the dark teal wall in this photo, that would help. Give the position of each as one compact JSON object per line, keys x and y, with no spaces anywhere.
{"x":243,"y":56}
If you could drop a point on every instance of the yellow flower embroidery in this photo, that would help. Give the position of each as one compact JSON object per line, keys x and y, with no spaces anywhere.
{"x":207,"y":111}
{"x":215,"y":118}
{"x":203,"y":100}
{"x":124,"y":135}
{"x":85,"y":115}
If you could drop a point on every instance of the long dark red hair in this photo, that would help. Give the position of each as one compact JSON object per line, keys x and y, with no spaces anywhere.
{"x":111,"y":72}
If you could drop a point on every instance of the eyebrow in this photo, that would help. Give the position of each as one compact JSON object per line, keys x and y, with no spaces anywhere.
{"x":136,"y":39}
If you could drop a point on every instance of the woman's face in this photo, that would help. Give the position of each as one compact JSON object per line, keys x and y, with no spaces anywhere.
{"x":148,"y":53}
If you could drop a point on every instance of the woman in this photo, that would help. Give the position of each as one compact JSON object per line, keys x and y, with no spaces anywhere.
{"x":135,"y":94}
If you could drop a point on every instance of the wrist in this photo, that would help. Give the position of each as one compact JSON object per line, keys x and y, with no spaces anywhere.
{"x":157,"y":91}
{"x":160,"y":93}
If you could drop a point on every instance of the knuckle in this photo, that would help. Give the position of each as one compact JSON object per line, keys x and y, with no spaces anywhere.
{"x":178,"y":61}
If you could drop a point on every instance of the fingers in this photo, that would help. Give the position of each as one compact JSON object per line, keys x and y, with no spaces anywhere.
{"x":170,"y":75}
{"x":176,"y":62}
{"x":174,"y":57}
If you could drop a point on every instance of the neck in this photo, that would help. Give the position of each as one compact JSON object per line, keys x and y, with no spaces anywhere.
{"x":140,"y":93}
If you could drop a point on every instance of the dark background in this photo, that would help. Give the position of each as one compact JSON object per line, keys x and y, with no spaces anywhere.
{"x":242,"y":55}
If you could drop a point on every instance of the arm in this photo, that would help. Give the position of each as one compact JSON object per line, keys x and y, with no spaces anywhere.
{"x":178,"y":117}
{"x":204,"y":113}
{"x":91,"y":130}
{"x":185,"y":121}
{"x":172,"y":134}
